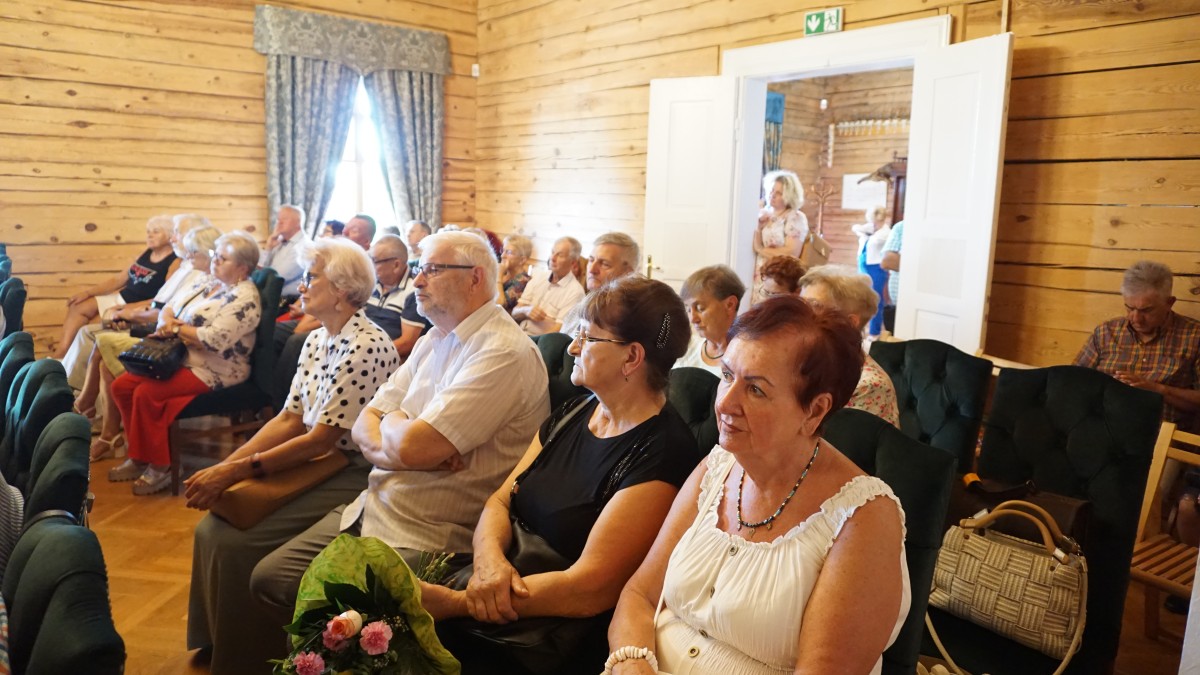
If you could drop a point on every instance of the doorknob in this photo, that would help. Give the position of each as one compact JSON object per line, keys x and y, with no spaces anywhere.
{"x":650,"y":267}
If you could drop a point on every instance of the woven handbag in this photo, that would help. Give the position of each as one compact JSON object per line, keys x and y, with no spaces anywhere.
{"x":1034,"y":593}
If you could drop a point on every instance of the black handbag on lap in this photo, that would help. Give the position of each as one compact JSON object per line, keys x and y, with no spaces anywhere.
{"x":541,"y":645}
{"x":156,"y":358}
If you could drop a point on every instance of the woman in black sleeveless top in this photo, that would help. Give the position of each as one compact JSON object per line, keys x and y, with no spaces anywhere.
{"x":137,"y":284}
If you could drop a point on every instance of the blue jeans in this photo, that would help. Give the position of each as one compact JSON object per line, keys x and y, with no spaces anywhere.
{"x":879,"y":277}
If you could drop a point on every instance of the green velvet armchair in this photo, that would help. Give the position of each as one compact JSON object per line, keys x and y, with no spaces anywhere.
{"x":1080,"y":433}
{"x":920,"y":476}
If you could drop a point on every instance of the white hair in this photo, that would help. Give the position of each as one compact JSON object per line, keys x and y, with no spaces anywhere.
{"x":468,"y":249}
{"x":347,"y":267}
{"x":163,"y":224}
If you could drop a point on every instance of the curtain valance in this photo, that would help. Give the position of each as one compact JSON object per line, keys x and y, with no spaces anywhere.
{"x":366,"y":47}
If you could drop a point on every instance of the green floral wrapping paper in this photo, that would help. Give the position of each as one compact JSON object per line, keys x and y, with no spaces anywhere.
{"x":344,"y":561}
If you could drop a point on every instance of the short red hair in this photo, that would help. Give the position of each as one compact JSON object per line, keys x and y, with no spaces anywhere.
{"x":830,"y":356}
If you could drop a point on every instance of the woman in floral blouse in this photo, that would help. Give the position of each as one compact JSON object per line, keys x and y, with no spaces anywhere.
{"x":849,"y":292}
{"x":217,"y":325}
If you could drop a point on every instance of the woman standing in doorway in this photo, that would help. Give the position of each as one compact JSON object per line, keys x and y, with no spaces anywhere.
{"x":782,"y":228}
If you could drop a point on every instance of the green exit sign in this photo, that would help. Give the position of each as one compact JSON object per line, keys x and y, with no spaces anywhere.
{"x":823,"y":21}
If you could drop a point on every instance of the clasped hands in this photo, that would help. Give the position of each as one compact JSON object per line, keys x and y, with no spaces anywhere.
{"x":492,"y":589}
{"x":206,"y":486}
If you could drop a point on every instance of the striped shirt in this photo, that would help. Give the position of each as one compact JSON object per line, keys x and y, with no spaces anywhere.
{"x":1172,"y":357}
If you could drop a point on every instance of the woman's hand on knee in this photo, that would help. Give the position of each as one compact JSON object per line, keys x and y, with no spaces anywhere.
{"x":491,"y":591}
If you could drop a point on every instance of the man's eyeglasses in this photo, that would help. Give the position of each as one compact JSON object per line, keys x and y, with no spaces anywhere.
{"x":433,"y":269}
{"x":581,"y":335}
{"x":380,"y":261}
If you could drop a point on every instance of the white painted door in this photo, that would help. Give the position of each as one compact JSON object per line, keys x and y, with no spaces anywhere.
{"x":689,"y":169}
{"x":956,"y":153}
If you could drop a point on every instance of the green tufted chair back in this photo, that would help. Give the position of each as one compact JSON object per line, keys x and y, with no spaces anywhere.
{"x":940,"y":391}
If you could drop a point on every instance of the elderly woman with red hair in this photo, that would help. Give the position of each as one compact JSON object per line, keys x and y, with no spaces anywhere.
{"x":778,"y":542}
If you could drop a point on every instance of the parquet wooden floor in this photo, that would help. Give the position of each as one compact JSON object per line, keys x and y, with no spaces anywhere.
{"x":147,"y":545}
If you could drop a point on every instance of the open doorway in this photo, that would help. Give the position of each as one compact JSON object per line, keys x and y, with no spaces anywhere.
{"x":703,"y":183}
{"x":835,"y":134}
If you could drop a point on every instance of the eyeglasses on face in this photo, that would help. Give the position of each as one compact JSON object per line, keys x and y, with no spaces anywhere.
{"x":581,"y":335}
{"x":433,"y":269}
{"x":380,"y":261}
{"x":216,"y":256}
{"x":308,"y":278}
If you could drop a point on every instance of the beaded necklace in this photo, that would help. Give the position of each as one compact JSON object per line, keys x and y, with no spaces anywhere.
{"x":771,"y":519}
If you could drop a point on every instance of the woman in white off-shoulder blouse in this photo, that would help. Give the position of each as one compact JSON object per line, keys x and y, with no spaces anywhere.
{"x":779,"y":554}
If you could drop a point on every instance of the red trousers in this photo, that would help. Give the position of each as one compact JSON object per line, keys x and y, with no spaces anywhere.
{"x":147,"y":409}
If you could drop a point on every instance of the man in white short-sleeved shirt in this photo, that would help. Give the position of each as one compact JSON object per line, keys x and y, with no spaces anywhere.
{"x":549,"y":297}
{"x":444,"y":431}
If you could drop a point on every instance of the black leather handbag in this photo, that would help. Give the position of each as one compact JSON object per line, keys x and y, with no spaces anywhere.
{"x":155,"y":358}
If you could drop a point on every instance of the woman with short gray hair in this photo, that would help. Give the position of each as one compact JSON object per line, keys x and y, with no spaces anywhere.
{"x":842,"y":289}
{"x":341,"y":365}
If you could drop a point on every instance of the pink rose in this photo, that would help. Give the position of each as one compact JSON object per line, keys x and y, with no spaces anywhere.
{"x":308,"y":663}
{"x":375,"y":638}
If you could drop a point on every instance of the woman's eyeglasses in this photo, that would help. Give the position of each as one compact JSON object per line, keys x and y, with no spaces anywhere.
{"x":581,"y":335}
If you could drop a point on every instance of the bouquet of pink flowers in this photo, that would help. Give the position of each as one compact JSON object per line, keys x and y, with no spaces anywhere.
{"x":365,"y":628}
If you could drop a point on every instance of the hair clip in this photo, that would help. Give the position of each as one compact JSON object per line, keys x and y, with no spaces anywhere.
{"x":664,"y":332}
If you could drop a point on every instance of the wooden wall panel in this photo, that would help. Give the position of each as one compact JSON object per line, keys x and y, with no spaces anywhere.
{"x":111,"y":112}
{"x":1095,"y":85}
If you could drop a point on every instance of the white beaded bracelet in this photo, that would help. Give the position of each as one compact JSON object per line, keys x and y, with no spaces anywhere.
{"x":630,"y":652}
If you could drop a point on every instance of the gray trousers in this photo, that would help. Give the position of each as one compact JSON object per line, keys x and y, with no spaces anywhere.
{"x":242,"y":633}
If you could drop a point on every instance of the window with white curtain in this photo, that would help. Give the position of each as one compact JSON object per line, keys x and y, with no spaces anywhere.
{"x":360,"y":186}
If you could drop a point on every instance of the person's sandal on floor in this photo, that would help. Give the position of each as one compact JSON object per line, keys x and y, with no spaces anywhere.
{"x":153,"y":481}
{"x":106,"y":448}
{"x":129,"y":470}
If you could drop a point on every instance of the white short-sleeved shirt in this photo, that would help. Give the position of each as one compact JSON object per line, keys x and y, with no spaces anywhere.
{"x":740,"y":603}
{"x":556,"y":298}
{"x":338,"y":374}
{"x":483,"y":387}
